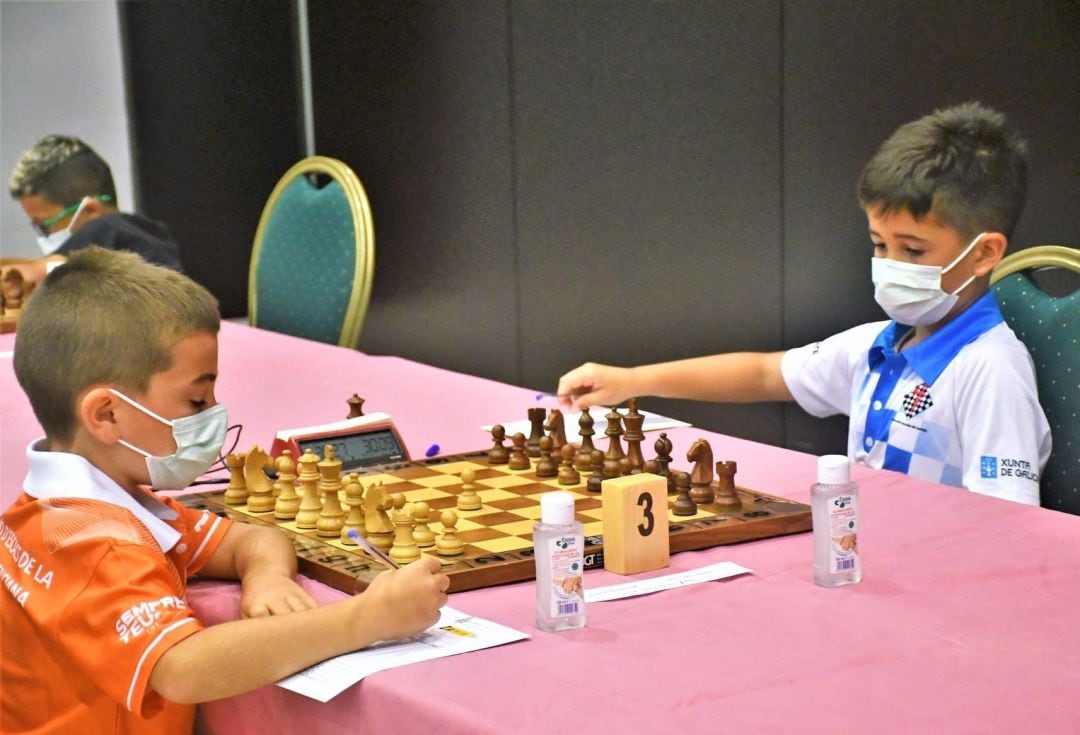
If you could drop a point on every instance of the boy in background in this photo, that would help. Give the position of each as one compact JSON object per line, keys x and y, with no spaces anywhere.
{"x":67,"y":191}
{"x":944,"y":391}
{"x":119,"y":360}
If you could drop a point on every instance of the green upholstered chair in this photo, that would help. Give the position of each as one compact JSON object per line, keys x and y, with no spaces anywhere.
{"x":1050,"y":327}
{"x":314,"y":255}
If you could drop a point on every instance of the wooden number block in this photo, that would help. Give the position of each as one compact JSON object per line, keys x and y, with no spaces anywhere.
{"x":635,"y":523}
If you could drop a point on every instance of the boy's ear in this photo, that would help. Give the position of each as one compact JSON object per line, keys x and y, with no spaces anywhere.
{"x":95,"y":409}
{"x":989,"y":252}
{"x":93,"y":209}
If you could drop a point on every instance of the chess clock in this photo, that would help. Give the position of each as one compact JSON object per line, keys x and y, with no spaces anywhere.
{"x":363,"y":441}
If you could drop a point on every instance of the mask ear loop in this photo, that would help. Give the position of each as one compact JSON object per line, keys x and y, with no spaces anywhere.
{"x":220,"y":465}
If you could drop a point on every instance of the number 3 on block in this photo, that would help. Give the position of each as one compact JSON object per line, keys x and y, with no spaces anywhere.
{"x":635,"y":523}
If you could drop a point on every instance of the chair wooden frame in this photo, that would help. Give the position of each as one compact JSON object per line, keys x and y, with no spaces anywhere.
{"x":1039,"y":256}
{"x":363,"y":226}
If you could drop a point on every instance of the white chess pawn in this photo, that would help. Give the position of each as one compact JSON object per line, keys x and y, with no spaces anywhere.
{"x":449,"y":544}
{"x":468,"y":499}
{"x":422,"y":533}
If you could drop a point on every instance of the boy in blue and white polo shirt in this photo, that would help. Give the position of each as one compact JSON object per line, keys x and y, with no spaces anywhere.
{"x":944,"y":391}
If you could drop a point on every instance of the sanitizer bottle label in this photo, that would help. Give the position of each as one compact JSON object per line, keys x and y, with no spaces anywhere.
{"x":845,"y":548}
{"x":566,"y":556}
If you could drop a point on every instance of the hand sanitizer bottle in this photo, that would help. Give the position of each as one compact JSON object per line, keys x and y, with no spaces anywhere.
{"x":834,"y":504}
{"x":559,"y":545}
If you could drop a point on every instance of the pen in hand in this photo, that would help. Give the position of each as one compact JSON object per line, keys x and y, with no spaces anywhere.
{"x":371,"y":549}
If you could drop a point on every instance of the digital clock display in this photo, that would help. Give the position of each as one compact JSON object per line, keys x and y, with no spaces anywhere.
{"x":359,"y":450}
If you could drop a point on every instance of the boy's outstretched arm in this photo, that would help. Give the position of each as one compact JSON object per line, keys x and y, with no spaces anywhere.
{"x":737,"y":377}
{"x":238,"y":656}
{"x":264,"y":561}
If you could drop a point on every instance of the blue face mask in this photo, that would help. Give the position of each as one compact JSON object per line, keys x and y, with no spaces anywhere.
{"x":198,"y":438}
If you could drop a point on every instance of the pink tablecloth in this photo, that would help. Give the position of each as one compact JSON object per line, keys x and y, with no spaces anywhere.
{"x":967,"y":620}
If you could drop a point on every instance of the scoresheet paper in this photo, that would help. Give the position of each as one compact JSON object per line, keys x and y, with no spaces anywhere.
{"x":653,"y":422}
{"x":455,"y":633}
{"x":667,"y":582}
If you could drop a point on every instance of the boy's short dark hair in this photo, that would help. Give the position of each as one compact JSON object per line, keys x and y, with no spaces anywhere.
{"x":962,"y":163}
{"x":104,"y":317}
{"x":62,"y":169}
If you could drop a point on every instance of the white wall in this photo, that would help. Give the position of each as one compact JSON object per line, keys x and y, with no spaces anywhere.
{"x":60,"y":72}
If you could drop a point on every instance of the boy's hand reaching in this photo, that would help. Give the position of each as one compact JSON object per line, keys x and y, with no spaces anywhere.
{"x":272,"y":592}
{"x":407,"y":600}
{"x":594,"y":384}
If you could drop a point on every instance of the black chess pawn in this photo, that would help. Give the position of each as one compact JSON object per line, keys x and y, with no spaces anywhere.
{"x":684,"y":505}
{"x":519,"y":460}
{"x":596,"y":479}
{"x":545,"y":465}
{"x":568,"y":474}
{"x":498,"y":454}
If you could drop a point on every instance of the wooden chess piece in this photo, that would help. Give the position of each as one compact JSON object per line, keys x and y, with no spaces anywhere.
{"x":701,"y":476}
{"x":498,"y":454}
{"x":449,"y":544}
{"x":377,"y":523}
{"x":307,"y":516}
{"x":727,"y":497}
{"x":519,"y":458}
{"x":404,"y":549}
{"x":329,"y":472}
{"x":596,"y":479}
{"x":536,"y":418}
{"x":634,"y":436}
{"x":684,"y":505}
{"x":356,"y":406}
{"x":568,"y":474}
{"x":15,"y":292}
{"x":422,"y":533}
{"x":545,"y":466}
{"x":583,"y":458}
{"x":468,"y":498}
{"x":260,"y":490}
{"x":288,"y":502}
{"x":354,"y":499}
{"x":651,"y":467}
{"x":612,"y":468}
{"x":236,"y":493}
{"x":556,"y":430}
{"x":331,"y":517}
{"x":663,"y":459}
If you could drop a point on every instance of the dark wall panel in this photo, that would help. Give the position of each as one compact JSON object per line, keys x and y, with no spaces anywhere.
{"x":414,"y":96}
{"x":214,"y":124}
{"x":647,"y":169}
{"x":556,"y":181}
{"x":845,"y":92}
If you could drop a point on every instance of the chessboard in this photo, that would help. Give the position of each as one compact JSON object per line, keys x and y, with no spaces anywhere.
{"x":497,"y":537}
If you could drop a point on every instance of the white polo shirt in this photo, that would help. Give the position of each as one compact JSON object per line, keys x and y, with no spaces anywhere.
{"x":960,"y":408}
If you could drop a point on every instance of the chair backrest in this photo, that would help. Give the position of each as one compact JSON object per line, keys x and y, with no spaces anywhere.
{"x":1049,"y":326}
{"x":314,"y":255}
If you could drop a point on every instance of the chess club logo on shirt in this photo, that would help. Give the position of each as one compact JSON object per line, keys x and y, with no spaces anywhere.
{"x":917,"y":401}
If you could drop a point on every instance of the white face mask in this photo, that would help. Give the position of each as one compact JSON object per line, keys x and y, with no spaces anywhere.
{"x":52,"y":242}
{"x":910,"y":293}
{"x":199,"y":440}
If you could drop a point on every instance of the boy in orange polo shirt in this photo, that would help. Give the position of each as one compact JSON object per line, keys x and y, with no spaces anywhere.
{"x":119,"y":360}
